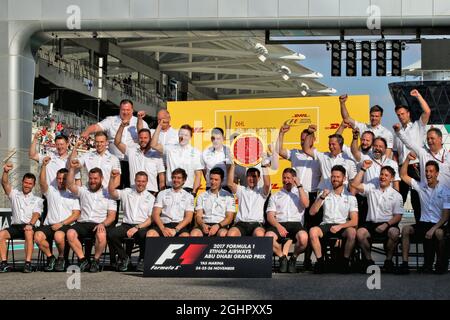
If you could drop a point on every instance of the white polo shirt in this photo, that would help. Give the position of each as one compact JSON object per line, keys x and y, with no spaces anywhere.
{"x":216,"y":159}
{"x":287,"y":206}
{"x":378,"y":131}
{"x":327,"y":161}
{"x":95,"y":205}
{"x":56,"y":163}
{"x":447,"y":198}
{"x":425,"y":155}
{"x":215,"y":206}
{"x":60,"y":205}
{"x":167,"y":137}
{"x":251,"y":204}
{"x":150,"y":162}
{"x":129,"y":136}
{"x":187,"y":158}
{"x":137,"y":207}
{"x":23,"y":206}
{"x":372,"y":175}
{"x":307,"y":168}
{"x":431,"y":200}
{"x":174,"y":205}
{"x":416,"y":131}
{"x":337,"y":208}
{"x":382,"y":204}
{"x":106,"y":162}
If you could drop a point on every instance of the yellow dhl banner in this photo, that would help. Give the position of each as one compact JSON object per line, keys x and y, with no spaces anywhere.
{"x":264,"y":117}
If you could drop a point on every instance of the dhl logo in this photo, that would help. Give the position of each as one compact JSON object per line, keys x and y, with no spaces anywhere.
{"x":332,"y":126}
{"x":199,"y":130}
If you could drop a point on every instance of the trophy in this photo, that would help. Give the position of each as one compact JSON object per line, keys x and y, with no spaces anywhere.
{"x":247,"y":150}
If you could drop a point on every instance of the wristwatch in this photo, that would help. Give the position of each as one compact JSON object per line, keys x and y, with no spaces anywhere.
{"x":299,"y":186}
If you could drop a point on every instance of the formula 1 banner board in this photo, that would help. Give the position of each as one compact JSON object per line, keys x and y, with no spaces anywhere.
{"x":264,"y":117}
{"x":209,"y":257}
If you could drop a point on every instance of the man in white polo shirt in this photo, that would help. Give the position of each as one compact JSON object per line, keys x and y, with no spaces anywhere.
{"x":434,"y":152}
{"x":250,"y":217}
{"x":215,"y":208}
{"x":98,"y":212}
{"x":181,"y":155}
{"x":216,"y":156}
{"x":141,"y":157}
{"x":58,"y":159}
{"x":168,"y":134}
{"x":285,"y":215}
{"x":137,"y":210}
{"x":173,"y":210}
{"x":384,"y":214}
{"x":26,"y":209}
{"x":376,"y":113}
{"x":379,"y":160}
{"x":100,"y":158}
{"x":429,"y":229}
{"x":340,"y":218}
{"x":63,"y":210}
{"x":416,"y":131}
{"x":308,"y":171}
{"x":110,"y":125}
{"x":328,"y":160}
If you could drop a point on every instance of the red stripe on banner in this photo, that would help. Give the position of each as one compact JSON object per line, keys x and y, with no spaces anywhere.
{"x":192,"y":253}
{"x":247,"y":150}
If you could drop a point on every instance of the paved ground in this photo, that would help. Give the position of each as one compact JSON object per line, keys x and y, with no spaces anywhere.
{"x":302,"y":286}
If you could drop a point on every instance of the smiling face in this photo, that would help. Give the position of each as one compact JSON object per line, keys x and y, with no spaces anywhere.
{"x":28,"y":185}
{"x":403,"y":115}
{"x":95,"y":181}
{"x":126,"y":111}
{"x":140,"y":182}
{"x":337,"y":179}
{"x":184,"y":136}
{"x":144,"y":139}
{"x":61,"y":146}
{"x":378,"y":149}
{"x":366,"y":141}
{"x":177,"y":181}
{"x":288,"y":181}
{"x":334,"y":146}
{"x":375,"y":118}
{"x":434,"y":141}
{"x":61,"y":180}
{"x":386,"y":178}
{"x":100,"y":143}
{"x":215,"y":181}
{"x":431,"y":174}
{"x":252,"y":179}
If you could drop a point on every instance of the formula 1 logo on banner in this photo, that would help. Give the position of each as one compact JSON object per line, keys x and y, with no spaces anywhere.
{"x":189,"y":256}
{"x":208,"y":257}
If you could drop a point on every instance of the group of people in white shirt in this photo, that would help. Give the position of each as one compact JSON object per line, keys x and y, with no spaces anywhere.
{"x":349,"y":194}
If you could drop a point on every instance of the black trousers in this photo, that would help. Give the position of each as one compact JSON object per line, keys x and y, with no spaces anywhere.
{"x":413,"y":172}
{"x":117,"y":234}
{"x":363,"y":208}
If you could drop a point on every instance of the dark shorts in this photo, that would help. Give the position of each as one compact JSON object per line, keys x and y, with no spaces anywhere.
{"x":16,"y":231}
{"x":292,"y":228}
{"x":171,"y":226}
{"x":247,"y":228}
{"x":374,"y":235}
{"x":421,"y":228}
{"x":327,"y":233}
{"x":49,"y":233}
{"x":85,"y":230}
{"x":315,"y":220}
{"x":210,"y":224}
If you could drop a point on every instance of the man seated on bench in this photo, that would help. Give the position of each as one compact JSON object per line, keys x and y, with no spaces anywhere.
{"x":384,"y":214}
{"x":137,"y":205}
{"x":285,"y":214}
{"x":26,"y":209}
{"x":173,"y":209}
{"x":215,"y":208}
{"x":340,"y":218}
{"x":433,"y":217}
{"x":251,"y":199}
{"x":98,"y":213}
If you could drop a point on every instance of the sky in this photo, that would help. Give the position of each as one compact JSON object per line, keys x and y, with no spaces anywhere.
{"x":319,"y":59}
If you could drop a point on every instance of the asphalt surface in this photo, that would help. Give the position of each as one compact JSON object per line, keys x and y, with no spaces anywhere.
{"x":302,"y":286}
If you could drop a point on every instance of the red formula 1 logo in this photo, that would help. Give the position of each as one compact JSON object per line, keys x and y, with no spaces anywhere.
{"x":188,"y":257}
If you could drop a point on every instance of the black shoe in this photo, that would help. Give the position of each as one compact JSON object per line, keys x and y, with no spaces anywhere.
{"x":307,"y":265}
{"x":403,"y":269}
{"x":440,"y":268}
{"x":140,"y":265}
{"x":292,"y":265}
{"x":344,"y":267}
{"x":84,"y":265}
{"x":95,"y":266}
{"x":283,"y":264}
{"x":366,"y":264}
{"x":319,"y":267}
{"x":60,"y":265}
{"x":426,"y":269}
{"x":50,"y":264}
{"x":388,"y":266}
{"x":5,"y":267}
{"x":27,"y":268}
{"x":123,"y":264}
